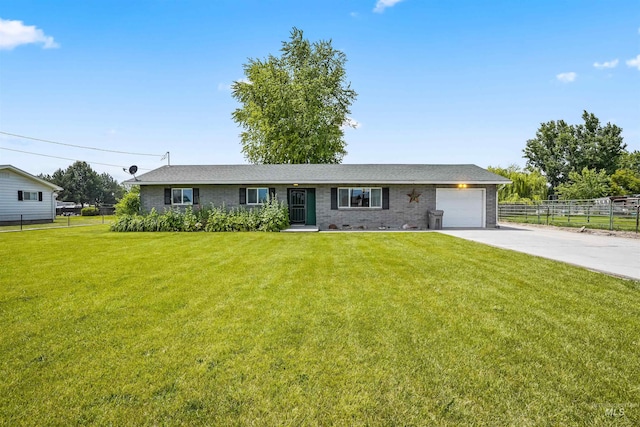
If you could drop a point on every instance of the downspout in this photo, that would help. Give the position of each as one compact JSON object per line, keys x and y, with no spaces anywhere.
{"x":498,"y":187}
{"x":54,"y":197}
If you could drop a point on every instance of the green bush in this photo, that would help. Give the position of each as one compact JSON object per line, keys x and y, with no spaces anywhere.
{"x":90,"y":211}
{"x":272,"y":216}
{"x":130,"y":203}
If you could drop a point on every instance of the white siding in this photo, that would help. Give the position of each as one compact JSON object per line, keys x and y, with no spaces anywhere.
{"x":11,"y":208}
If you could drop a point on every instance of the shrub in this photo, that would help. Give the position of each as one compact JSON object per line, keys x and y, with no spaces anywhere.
{"x":217,"y":219}
{"x":171,"y":220}
{"x":130,"y":202}
{"x":89,"y":211}
{"x":272,"y":216}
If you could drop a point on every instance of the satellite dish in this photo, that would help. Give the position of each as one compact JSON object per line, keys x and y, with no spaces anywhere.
{"x":133,"y":169}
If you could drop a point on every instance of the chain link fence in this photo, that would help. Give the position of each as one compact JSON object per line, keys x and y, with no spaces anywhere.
{"x":608,"y":214}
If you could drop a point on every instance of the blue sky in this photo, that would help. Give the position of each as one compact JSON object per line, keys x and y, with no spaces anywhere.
{"x":438,"y":81}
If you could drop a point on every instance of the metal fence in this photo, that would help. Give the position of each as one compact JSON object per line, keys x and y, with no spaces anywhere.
{"x":603,"y":214}
{"x":14,"y":222}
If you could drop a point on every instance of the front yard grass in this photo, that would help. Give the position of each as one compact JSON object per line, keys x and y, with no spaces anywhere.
{"x":308,"y":329}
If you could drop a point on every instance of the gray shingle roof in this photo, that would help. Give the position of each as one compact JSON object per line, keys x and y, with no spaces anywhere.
{"x":319,"y":174}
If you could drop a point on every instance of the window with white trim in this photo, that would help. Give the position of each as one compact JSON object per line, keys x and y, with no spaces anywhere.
{"x":257,"y":196}
{"x":182,"y":196}
{"x":357,"y":197}
{"x":30,"y":195}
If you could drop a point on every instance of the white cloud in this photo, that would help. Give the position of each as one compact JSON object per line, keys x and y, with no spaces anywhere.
{"x":566,"y":77}
{"x":635,"y":62}
{"x":381,"y":5}
{"x":606,"y":64}
{"x":15,"y":33}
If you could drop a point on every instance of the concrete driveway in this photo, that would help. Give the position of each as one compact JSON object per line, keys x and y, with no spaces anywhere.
{"x":617,"y":256}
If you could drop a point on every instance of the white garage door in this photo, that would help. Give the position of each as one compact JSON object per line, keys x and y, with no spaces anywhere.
{"x":463,"y":207}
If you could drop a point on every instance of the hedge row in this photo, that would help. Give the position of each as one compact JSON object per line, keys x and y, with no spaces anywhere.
{"x":271,"y":216}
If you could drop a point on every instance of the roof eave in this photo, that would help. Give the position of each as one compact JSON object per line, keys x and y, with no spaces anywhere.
{"x":317,"y":182}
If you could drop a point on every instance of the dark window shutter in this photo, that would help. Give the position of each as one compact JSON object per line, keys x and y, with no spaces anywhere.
{"x":39,"y":196}
{"x":385,"y":198}
{"x":334,"y":198}
{"x":272,"y":192}
{"x":243,"y":196}
{"x":196,"y":196}
{"x":20,"y":195}
{"x":167,"y":196}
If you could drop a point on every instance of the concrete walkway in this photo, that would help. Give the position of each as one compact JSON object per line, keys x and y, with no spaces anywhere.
{"x":617,"y":256}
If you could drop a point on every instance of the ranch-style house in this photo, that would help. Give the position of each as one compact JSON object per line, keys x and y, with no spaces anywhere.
{"x":355,"y":196}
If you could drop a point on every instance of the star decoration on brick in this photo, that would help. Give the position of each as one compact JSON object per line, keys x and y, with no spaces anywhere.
{"x":414,"y":196}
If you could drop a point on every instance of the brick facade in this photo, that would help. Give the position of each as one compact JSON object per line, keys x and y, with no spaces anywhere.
{"x":400,"y":211}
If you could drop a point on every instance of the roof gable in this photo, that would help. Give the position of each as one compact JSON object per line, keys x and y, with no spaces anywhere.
{"x":29,"y":176}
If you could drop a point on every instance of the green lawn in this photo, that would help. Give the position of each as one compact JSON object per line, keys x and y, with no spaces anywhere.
{"x":308,"y":329}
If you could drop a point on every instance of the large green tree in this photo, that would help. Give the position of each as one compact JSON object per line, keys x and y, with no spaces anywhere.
{"x":631,"y":161}
{"x":625,"y":182}
{"x":110,"y":190}
{"x":588,"y":184}
{"x":81,"y":184}
{"x":559,"y":148}
{"x":294,"y":107}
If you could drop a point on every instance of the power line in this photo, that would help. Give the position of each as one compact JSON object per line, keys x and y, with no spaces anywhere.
{"x":65,"y":158}
{"x":81,"y":146}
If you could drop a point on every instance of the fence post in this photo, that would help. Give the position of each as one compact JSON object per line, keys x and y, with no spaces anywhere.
{"x":20,"y":222}
{"x":637,"y":217}
{"x":610,"y":215}
{"x":68,"y":221}
{"x":547,"y":215}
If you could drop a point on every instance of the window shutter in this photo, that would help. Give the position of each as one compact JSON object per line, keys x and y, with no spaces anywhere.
{"x":243,"y":196}
{"x":334,"y":198}
{"x":39,"y":196}
{"x":272,"y":192}
{"x":20,"y":195}
{"x":196,"y":196}
{"x":167,"y":196}
{"x":385,"y":198}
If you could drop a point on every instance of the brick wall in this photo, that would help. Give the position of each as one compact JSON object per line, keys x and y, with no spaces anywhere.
{"x":400,"y":211}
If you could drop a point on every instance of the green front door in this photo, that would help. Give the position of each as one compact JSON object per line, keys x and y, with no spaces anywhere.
{"x":311,"y":206}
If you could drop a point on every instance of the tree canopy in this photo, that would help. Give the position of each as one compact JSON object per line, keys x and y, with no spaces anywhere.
{"x":294,"y":107}
{"x":559,"y":148}
{"x":525,"y":186}
{"x":587,"y":184}
{"x":81,"y":184}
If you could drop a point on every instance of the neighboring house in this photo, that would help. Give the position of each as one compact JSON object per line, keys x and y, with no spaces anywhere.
{"x":26,"y":198}
{"x":343,"y":195}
